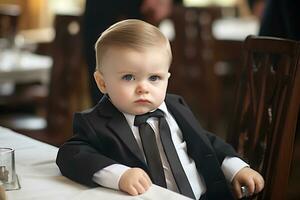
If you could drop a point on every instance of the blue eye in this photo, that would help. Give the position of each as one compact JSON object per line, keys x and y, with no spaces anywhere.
{"x":154,"y":78}
{"x":128,"y":77}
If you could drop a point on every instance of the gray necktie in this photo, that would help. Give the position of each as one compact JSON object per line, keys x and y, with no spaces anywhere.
{"x":170,"y":151}
{"x":150,"y":149}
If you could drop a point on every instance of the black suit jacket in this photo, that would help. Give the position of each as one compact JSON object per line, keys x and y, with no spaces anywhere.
{"x":281,"y":19}
{"x":102,"y":137}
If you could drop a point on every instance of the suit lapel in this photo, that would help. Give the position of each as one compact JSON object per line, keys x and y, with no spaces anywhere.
{"x":200,"y":149}
{"x":187,"y":122}
{"x":118,"y":125}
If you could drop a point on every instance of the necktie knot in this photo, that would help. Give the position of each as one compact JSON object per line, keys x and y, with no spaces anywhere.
{"x":141,"y":119}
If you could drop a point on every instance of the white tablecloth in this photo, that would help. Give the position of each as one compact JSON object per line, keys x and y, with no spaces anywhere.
{"x":41,"y":179}
{"x":24,"y":67}
{"x":235,"y":28}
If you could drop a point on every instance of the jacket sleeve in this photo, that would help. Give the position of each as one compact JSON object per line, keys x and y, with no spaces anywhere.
{"x":220,"y":147}
{"x":79,"y":158}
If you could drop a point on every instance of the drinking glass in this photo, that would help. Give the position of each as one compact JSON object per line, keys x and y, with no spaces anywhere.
{"x":7,"y":168}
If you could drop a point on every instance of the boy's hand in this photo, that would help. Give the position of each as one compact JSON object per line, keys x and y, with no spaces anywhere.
{"x":250,"y":178}
{"x":135,"y":181}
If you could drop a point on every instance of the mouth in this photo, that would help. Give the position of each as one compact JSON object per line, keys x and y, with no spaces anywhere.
{"x":142,"y":101}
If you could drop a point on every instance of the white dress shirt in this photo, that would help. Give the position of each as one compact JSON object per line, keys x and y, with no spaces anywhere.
{"x":110,"y":176}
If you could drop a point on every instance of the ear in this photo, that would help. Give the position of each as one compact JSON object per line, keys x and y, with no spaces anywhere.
{"x":98,"y":76}
{"x":169,"y":74}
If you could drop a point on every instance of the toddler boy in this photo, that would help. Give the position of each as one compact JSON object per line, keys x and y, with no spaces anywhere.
{"x":137,"y":134}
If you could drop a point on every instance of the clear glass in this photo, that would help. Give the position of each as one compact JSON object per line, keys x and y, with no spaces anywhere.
{"x":7,"y":167}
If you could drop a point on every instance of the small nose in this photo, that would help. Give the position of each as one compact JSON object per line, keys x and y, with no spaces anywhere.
{"x":142,"y":88}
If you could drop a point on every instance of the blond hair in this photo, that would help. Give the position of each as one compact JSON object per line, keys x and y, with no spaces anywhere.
{"x":132,"y":33}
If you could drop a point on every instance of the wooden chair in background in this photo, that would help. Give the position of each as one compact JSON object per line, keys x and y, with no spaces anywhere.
{"x":66,"y":93}
{"x":192,"y":72}
{"x":65,"y":88}
{"x":267,"y":110}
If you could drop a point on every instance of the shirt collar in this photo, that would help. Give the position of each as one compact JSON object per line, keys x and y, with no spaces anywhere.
{"x":130,"y":117}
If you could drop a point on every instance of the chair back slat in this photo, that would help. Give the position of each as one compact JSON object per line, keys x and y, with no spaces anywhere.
{"x":65,"y":81}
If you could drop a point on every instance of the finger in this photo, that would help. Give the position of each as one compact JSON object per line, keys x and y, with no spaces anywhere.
{"x":147,"y":178}
{"x":251,"y":186}
{"x":259,"y":184}
{"x":237,"y":189}
{"x":132,"y":190}
{"x":144,"y":182}
{"x":139,"y":188}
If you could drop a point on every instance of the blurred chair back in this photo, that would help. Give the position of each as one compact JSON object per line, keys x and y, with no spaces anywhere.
{"x":66,"y":75}
{"x":192,"y":68}
{"x":266,"y":111}
{"x":65,"y":87}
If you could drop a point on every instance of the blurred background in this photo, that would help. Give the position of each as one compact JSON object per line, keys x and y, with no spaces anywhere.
{"x":44,"y":60}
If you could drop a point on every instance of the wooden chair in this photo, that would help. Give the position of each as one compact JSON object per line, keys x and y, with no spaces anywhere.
{"x":267,"y":110}
{"x":66,"y":77}
{"x":192,"y":73}
{"x":65,"y":88}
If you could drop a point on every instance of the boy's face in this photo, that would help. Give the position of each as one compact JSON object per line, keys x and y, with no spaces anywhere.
{"x":136,"y":81}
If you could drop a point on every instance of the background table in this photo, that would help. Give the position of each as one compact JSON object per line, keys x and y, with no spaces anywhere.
{"x":24,"y":67}
{"x":235,"y":28}
{"x":40,"y":177}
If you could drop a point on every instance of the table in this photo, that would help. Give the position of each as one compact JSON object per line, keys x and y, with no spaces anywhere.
{"x":235,"y":28}
{"x":24,"y":67}
{"x":40,"y":177}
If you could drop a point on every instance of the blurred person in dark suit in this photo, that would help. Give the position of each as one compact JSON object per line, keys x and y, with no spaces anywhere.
{"x":99,"y":15}
{"x":281,"y":18}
